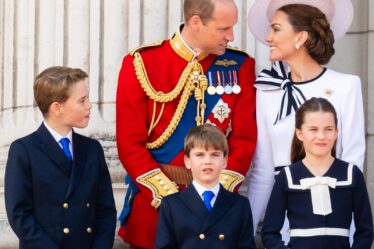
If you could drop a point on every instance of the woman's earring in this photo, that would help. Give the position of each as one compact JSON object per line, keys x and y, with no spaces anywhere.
{"x":297,"y":46}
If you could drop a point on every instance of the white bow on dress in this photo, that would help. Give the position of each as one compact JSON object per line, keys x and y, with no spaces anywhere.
{"x":319,"y":189}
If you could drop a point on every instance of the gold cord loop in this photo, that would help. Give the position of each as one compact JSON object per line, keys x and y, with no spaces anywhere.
{"x":159,"y":97}
{"x":191,"y":80}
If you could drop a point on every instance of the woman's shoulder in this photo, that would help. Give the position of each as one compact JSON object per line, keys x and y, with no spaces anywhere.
{"x":340,"y":84}
{"x":349,"y":78}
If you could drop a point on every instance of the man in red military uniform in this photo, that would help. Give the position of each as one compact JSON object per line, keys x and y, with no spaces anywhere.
{"x":166,"y":88}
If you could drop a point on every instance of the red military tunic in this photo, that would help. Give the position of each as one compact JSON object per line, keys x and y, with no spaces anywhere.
{"x":233,"y":113}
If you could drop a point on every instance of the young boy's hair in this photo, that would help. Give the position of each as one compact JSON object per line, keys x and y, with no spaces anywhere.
{"x":207,"y":136}
{"x":53,"y":84}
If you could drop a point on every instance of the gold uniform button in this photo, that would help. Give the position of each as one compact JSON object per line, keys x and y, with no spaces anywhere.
{"x":202,"y":236}
{"x":221,"y":237}
{"x":65,"y":205}
{"x":66,"y":230}
{"x":89,"y":230}
{"x":88,"y":204}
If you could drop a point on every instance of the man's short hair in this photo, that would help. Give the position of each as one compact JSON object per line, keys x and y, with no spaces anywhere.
{"x":202,"y":8}
{"x":53,"y":84}
{"x":207,"y":136}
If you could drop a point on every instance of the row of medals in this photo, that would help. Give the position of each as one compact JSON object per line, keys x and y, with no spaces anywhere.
{"x":222,"y":86}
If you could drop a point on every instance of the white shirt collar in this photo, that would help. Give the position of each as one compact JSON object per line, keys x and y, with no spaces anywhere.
{"x":57,"y":136}
{"x":200,"y":189}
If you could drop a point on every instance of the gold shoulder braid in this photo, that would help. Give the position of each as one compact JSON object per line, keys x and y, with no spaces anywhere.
{"x":230,"y":179}
{"x":192,"y":79}
{"x":160,"y":185}
{"x":145,"y":46}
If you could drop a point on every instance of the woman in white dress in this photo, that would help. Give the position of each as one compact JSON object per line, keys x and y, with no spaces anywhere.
{"x":301,"y":34}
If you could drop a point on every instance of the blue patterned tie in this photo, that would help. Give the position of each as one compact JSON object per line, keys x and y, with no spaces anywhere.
{"x":65,"y":147}
{"x":208,"y":196}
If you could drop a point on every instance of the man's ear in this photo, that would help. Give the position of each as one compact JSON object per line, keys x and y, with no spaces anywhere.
{"x":195,"y":22}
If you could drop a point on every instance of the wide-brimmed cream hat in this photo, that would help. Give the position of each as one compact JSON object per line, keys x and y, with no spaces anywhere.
{"x":339,"y":13}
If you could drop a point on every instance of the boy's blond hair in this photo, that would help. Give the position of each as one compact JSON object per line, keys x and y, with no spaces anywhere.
{"x":53,"y":84}
{"x":207,"y":136}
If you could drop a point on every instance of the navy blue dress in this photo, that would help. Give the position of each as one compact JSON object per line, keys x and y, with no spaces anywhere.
{"x":315,"y":231}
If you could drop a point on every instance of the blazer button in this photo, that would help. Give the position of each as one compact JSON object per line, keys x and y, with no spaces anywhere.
{"x":221,"y":237}
{"x":88,"y":204}
{"x":202,"y":236}
{"x":89,"y":230}
{"x":66,"y":230}
{"x":66,"y":205}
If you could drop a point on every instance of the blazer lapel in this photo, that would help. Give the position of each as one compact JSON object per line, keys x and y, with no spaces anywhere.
{"x":193,"y":201}
{"x":223,"y":202}
{"x":51,"y":148}
{"x":79,"y":157}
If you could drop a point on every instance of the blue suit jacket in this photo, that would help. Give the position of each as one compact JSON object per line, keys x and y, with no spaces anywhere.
{"x":52,"y":203}
{"x":184,"y":222}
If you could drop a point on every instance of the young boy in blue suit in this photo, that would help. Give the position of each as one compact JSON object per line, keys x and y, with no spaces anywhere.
{"x":205,"y":215}
{"x":58,"y":192}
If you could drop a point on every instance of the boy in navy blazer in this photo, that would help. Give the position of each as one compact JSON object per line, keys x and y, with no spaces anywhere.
{"x":205,"y":215}
{"x":58,"y":192}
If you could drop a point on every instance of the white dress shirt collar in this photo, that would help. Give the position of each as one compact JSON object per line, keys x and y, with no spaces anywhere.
{"x":57,"y":136}
{"x":200,"y":189}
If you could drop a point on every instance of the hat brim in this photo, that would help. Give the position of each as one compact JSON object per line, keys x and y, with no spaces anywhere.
{"x":338,"y":12}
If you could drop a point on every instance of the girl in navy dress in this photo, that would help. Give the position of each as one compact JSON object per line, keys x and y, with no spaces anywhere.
{"x":319,"y":192}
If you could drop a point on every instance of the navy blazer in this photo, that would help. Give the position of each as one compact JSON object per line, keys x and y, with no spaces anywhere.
{"x":52,"y":203}
{"x":184,"y":222}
